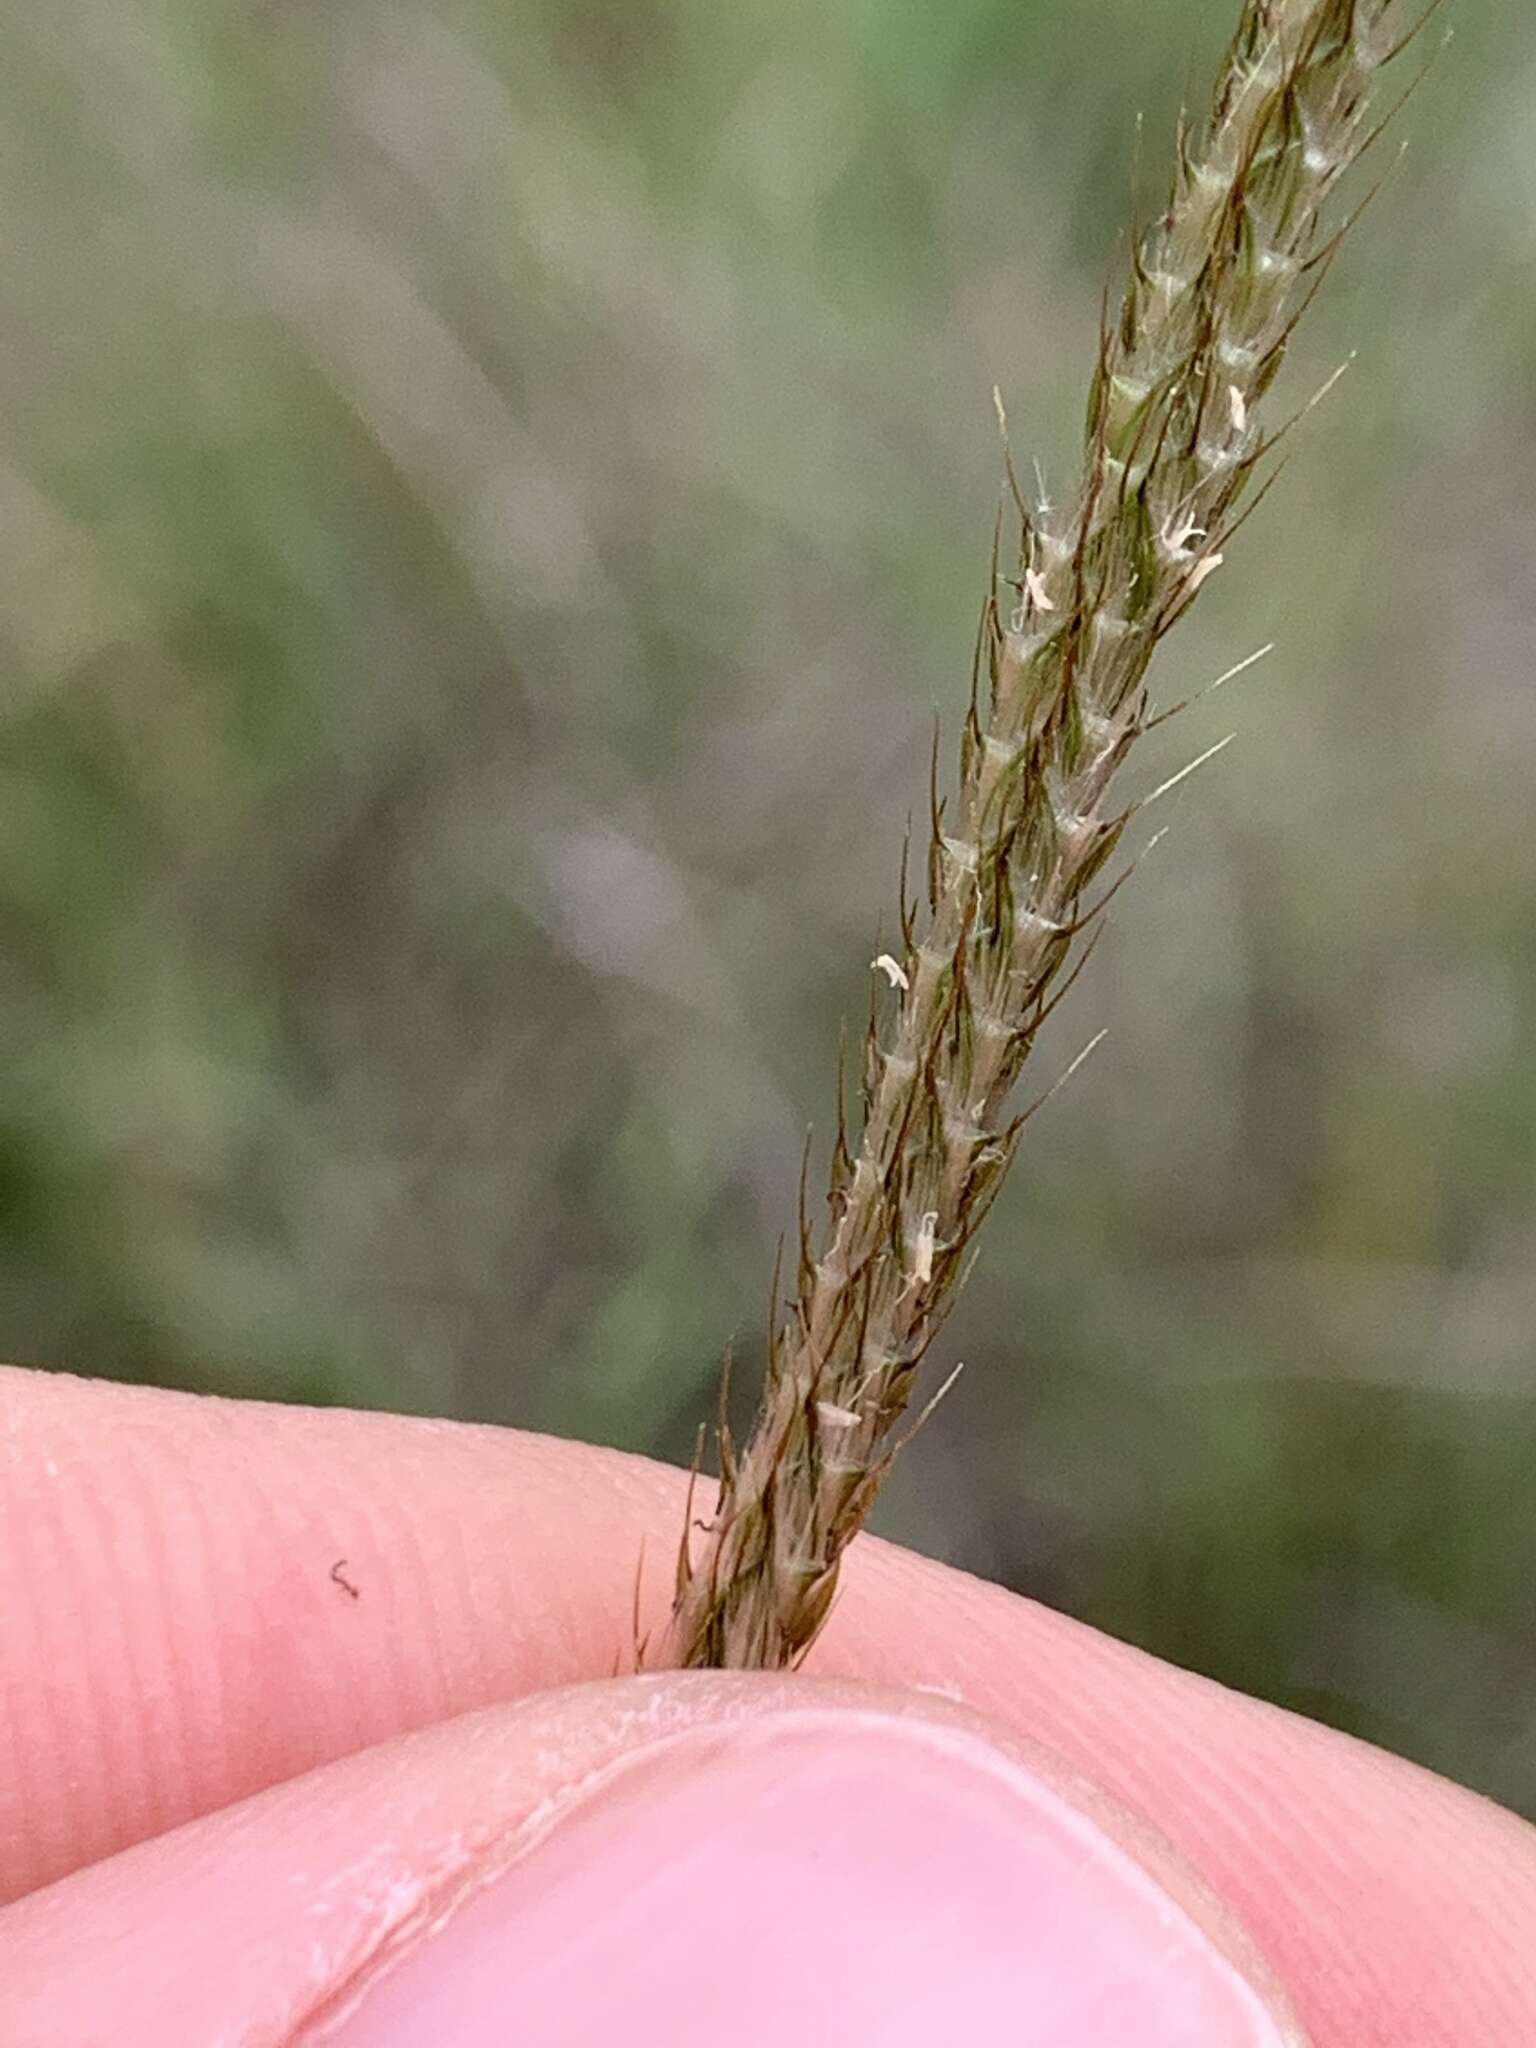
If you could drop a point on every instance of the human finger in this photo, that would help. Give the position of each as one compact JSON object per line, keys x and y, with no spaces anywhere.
{"x":175,"y":1640}
{"x":682,"y":1858}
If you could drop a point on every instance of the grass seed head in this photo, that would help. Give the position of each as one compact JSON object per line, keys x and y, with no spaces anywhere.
{"x":1173,"y":445}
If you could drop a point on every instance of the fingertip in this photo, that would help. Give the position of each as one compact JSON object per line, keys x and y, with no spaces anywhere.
{"x":680,"y":1858}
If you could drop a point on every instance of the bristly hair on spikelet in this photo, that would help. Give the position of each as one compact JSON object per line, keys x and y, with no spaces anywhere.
{"x":1174,"y":441}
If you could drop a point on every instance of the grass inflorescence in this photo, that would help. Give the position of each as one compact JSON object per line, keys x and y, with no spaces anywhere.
{"x":1020,"y":856}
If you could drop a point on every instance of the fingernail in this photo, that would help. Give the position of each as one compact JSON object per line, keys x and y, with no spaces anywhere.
{"x":843,"y":1878}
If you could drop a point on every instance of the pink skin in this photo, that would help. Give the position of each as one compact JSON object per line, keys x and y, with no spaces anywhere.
{"x":1054,"y":1838}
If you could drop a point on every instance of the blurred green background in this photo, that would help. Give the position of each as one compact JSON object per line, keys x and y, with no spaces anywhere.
{"x":491,"y":498}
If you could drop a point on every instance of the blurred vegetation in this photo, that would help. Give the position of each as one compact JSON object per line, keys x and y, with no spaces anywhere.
{"x":490,"y":501}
